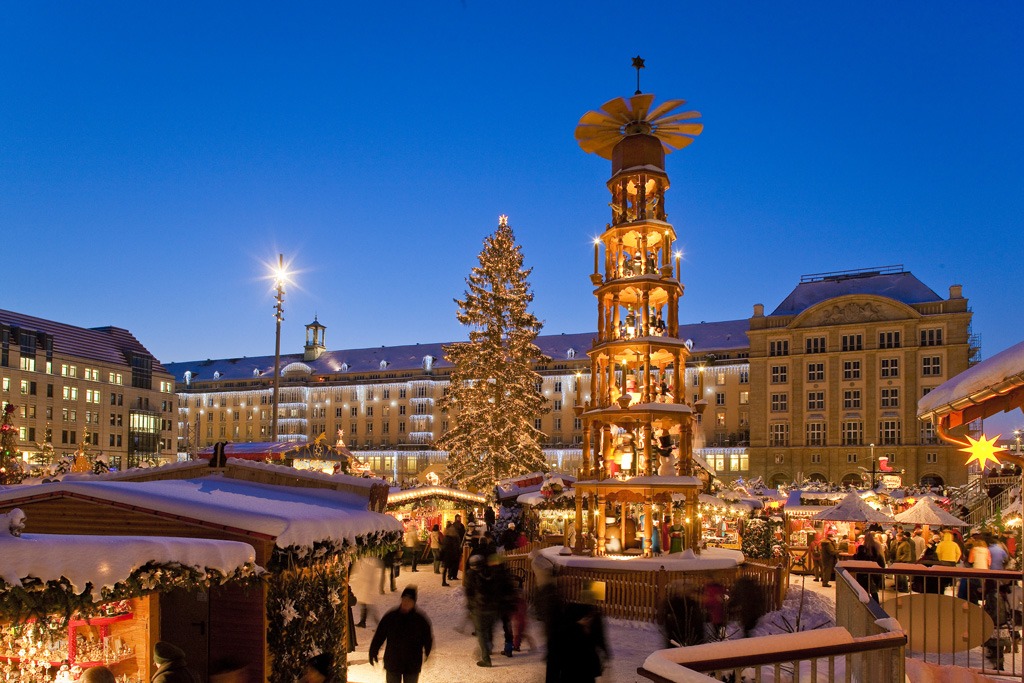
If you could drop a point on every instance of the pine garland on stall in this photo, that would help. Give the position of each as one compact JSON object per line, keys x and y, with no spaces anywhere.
{"x":35,"y":599}
{"x":306,"y":616}
{"x":494,"y":395}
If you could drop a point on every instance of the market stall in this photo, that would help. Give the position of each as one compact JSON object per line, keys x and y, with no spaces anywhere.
{"x":550,"y":512}
{"x":425,"y":506}
{"x":304,"y":527}
{"x":68,"y":603}
{"x":722,"y":519}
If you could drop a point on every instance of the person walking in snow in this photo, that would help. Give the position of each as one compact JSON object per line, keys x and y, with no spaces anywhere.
{"x":409,"y":638}
{"x":451,"y":550}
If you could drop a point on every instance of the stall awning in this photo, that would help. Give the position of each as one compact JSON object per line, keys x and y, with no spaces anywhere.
{"x":992,"y":386}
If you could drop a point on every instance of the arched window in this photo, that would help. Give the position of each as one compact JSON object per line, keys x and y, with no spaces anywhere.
{"x":688,"y":344}
{"x":570,"y":354}
{"x":932,"y":481}
{"x":818,"y":477}
{"x":344,"y":367}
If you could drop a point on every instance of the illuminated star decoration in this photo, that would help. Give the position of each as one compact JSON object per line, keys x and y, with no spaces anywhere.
{"x":502,"y":220}
{"x":983,"y":450}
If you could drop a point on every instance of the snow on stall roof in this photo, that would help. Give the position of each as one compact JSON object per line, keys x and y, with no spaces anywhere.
{"x":709,"y":559}
{"x":926,"y":511}
{"x":290,"y":515}
{"x":104,"y":561}
{"x":1004,"y":368}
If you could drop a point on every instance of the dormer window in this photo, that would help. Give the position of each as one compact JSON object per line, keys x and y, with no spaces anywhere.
{"x":570,"y":354}
{"x":344,"y":367}
{"x":188,"y":377}
{"x":384,"y":365}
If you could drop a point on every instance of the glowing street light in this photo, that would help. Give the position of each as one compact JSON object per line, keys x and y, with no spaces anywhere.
{"x":280,"y":275}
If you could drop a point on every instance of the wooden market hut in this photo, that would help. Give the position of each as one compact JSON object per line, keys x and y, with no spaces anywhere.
{"x":429,"y":505}
{"x":303,"y":526}
{"x":83,"y":601}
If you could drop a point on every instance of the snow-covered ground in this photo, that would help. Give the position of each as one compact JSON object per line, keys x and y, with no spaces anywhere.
{"x":454,"y":657}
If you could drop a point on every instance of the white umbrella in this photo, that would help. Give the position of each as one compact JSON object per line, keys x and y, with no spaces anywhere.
{"x":925,"y":511}
{"x":853,"y":509}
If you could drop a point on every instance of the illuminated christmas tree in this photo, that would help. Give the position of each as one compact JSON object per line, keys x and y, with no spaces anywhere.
{"x":10,"y":467}
{"x":493,"y":397}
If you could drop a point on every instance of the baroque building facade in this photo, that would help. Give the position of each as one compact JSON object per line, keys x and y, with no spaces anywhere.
{"x":384,"y":400}
{"x":92,"y":390}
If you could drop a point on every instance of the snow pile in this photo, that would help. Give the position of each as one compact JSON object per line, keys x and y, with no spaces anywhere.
{"x":292,"y":516}
{"x":136,"y":471}
{"x":671,"y":663}
{"x":709,"y":559}
{"x":103,"y":561}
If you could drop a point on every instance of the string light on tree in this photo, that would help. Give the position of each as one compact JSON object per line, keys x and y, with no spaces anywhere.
{"x":10,"y":468}
{"x":493,"y":394}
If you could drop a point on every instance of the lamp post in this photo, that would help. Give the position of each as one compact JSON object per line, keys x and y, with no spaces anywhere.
{"x":279,"y":279}
{"x":872,"y":485}
{"x":1016,"y":437}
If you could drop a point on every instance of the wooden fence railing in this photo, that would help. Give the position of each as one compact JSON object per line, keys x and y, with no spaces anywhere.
{"x":638,"y":595}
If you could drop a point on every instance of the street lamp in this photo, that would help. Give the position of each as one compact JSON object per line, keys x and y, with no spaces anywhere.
{"x":1016,"y":437}
{"x":872,"y":485}
{"x":280,"y":277}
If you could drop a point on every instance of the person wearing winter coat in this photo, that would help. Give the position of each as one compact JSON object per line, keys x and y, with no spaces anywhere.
{"x":948,"y":550}
{"x":869,"y":552}
{"x":583,"y":626}
{"x":451,"y":551}
{"x":171,"y":666}
{"x":434,"y":542}
{"x":829,"y":555}
{"x":409,"y":638}
{"x":508,"y":537}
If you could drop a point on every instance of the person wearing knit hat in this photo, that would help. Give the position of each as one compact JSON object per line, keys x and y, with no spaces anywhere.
{"x":170,"y":660}
{"x":409,"y":638}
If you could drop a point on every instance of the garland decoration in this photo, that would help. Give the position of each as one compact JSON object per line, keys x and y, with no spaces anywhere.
{"x":36,"y":599}
{"x":306,"y":616}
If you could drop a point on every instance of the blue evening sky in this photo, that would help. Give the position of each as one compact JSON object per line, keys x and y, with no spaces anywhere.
{"x":155,"y":155}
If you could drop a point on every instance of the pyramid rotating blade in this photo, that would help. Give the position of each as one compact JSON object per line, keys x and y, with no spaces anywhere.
{"x":664,"y":108}
{"x":598,"y":118}
{"x":618,"y":110}
{"x":683,"y":128}
{"x":640,"y":105}
{"x":684,"y":116}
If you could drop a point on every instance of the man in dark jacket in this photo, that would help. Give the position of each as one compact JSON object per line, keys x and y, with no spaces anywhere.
{"x":170,"y":660}
{"x":409,"y":638}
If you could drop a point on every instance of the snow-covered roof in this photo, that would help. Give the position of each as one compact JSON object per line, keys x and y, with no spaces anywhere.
{"x":292,"y":516}
{"x":925,"y":511}
{"x":106,"y":344}
{"x":902,"y":286}
{"x":538,"y":498}
{"x":724,"y":335}
{"x":852,"y":508}
{"x":397,"y":496}
{"x":1000,"y":374}
{"x":106,"y":560}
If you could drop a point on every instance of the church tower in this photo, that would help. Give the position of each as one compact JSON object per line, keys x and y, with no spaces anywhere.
{"x":315,"y":343}
{"x":637,"y":419}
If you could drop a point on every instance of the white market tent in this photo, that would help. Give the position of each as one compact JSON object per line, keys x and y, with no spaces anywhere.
{"x":925,"y":511}
{"x":852,"y":508}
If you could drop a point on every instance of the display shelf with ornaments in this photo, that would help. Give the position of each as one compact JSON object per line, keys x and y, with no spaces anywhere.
{"x":46,"y":650}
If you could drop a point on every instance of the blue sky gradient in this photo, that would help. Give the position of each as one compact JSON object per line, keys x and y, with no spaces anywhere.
{"x":154,"y":156}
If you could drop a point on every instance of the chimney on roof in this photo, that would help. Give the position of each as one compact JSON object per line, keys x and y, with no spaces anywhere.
{"x":956,"y":291}
{"x":758,"y":310}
